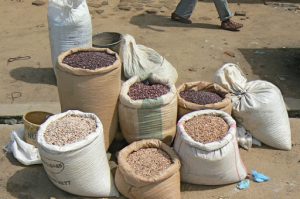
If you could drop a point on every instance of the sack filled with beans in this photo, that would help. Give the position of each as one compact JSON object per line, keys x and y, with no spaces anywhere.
{"x":71,"y":146}
{"x":193,"y":96}
{"x":89,"y":79}
{"x":148,"y":109}
{"x":207,"y":146}
{"x":148,"y":169}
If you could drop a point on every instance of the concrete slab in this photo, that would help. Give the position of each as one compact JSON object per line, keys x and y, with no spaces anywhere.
{"x":17,"y":181}
{"x":21,"y":109}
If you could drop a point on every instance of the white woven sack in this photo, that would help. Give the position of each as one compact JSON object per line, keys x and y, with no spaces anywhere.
{"x":258,"y":106}
{"x":79,"y":168}
{"x":139,"y":60}
{"x":70,"y":26}
{"x":214,"y":163}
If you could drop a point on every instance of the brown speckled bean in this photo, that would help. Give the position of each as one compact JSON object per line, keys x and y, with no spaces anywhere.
{"x":148,"y":162}
{"x":206,"y":129}
{"x":69,"y":129}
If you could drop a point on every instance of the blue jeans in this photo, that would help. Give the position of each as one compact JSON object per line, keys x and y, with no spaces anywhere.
{"x":185,"y":8}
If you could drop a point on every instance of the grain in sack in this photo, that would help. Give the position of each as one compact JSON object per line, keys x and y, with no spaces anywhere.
{"x":148,"y":169}
{"x":71,"y":146}
{"x":148,"y":118}
{"x":214,"y":160}
{"x":89,"y":80}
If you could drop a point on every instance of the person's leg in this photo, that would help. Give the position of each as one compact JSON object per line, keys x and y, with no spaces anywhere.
{"x":223,"y":9}
{"x":184,"y":11}
{"x":225,"y":15}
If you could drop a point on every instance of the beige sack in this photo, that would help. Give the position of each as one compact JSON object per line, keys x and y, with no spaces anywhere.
{"x":185,"y":107}
{"x":94,"y":91}
{"x":165,"y":185}
{"x":149,"y":118}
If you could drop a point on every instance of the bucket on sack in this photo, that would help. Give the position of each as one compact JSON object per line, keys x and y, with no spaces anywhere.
{"x":32,"y":121}
{"x":109,"y":40}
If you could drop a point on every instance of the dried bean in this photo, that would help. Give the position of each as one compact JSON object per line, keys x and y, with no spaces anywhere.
{"x":90,"y":59}
{"x":69,"y":129}
{"x":148,"y":162}
{"x":206,"y":129}
{"x":200,"y":97}
{"x":147,"y":90}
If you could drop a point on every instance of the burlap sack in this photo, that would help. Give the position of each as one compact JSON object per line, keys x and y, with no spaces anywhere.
{"x":149,"y":118}
{"x":94,"y":91}
{"x":165,"y":185}
{"x":185,"y":107}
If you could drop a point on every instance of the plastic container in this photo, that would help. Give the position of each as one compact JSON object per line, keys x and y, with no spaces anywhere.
{"x":109,"y":40}
{"x":32,"y":121}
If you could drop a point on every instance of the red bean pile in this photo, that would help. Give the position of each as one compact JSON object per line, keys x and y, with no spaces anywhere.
{"x":147,"y":90}
{"x":200,"y":97}
{"x":90,"y":59}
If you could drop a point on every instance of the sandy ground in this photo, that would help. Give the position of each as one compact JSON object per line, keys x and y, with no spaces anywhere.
{"x":31,"y":182}
{"x":268,"y":48}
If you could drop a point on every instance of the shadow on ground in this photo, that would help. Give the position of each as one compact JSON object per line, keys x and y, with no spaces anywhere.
{"x":281,"y":66}
{"x":149,"y":20}
{"x":185,"y":187}
{"x":34,"y":75}
{"x":32,"y":182}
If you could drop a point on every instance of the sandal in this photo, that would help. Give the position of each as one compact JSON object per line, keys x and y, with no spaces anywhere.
{"x":231,"y":25}
{"x":178,"y":18}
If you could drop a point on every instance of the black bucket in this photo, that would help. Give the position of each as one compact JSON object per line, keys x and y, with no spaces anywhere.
{"x":109,"y":40}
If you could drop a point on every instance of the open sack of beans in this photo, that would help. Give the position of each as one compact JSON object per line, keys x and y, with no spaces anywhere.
{"x":207,"y":146}
{"x":90,"y":80}
{"x":148,"y":169}
{"x":148,"y":109}
{"x":193,"y":96}
{"x":257,"y":105}
{"x":71,"y":146}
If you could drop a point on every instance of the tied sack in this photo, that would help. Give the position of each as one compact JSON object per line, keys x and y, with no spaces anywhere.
{"x":185,"y":107}
{"x":258,"y":106}
{"x":165,"y":185}
{"x":79,"y":168}
{"x":148,"y":118}
{"x":139,"y":60}
{"x":70,"y":26}
{"x":95,"y":91}
{"x":214,"y":163}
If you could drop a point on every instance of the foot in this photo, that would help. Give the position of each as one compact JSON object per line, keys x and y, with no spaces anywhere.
{"x":231,"y":25}
{"x":178,"y":18}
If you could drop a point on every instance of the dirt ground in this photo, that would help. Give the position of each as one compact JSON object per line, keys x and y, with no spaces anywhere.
{"x":268,"y":48}
{"x":31,"y":182}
